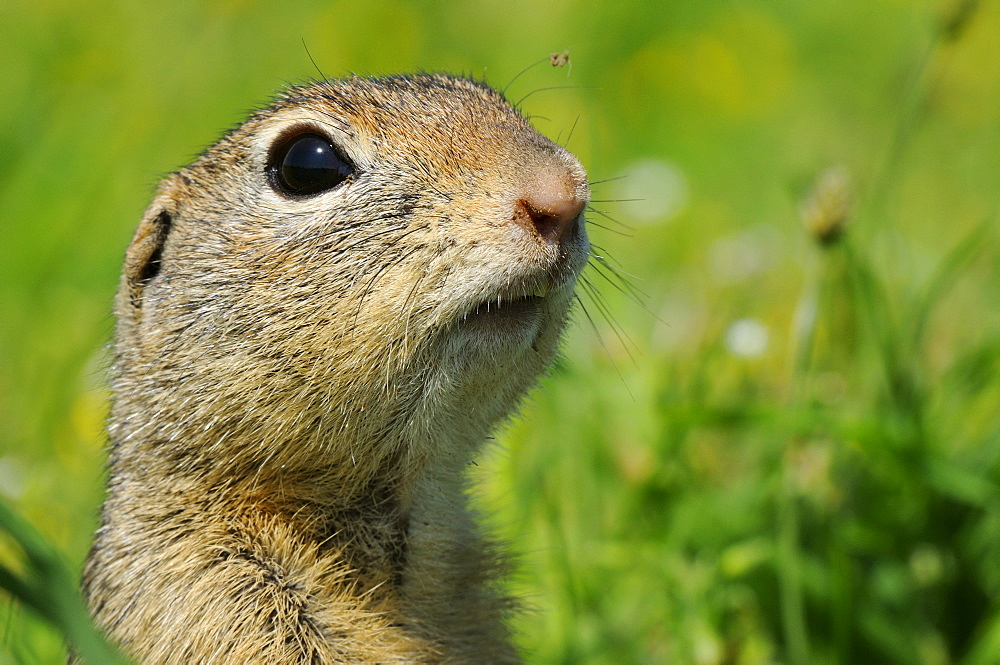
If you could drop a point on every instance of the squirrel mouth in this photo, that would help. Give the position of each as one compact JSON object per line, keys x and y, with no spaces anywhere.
{"x":520,"y":306}
{"x":515,"y":305}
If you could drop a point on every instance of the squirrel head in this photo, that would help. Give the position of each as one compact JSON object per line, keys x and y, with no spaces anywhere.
{"x":363,"y":265}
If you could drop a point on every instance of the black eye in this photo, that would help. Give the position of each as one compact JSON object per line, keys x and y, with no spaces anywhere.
{"x":308,"y":164}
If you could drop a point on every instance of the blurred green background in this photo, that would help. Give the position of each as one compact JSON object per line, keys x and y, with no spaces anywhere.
{"x":788,"y":452}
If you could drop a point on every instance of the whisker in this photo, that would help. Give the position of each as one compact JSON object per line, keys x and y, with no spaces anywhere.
{"x":635,"y":295}
{"x":313,"y":61}
{"x":381,"y":271}
{"x":338,"y":123}
{"x":601,"y":182}
{"x":615,"y":266}
{"x":609,"y":229}
{"x":554,"y":87}
{"x":521,"y":73}
{"x":604,"y":346}
{"x":409,"y":305}
{"x":341,"y":250}
{"x":621,"y":284}
{"x":604,"y":308}
{"x":610,"y":218}
{"x":571,"y":130}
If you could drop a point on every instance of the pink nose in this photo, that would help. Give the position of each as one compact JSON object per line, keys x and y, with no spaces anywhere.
{"x":552,"y":207}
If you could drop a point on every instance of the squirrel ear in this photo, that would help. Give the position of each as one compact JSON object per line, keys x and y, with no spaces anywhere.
{"x":143,"y":259}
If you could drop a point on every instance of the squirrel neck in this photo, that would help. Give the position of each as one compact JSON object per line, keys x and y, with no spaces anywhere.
{"x":386,"y":475}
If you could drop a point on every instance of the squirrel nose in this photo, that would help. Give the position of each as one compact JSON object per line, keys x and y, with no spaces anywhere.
{"x":552,"y":208}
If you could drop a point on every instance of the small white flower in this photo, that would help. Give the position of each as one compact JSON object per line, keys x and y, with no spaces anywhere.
{"x":747,"y":338}
{"x":11,"y":478}
{"x":652,"y":190}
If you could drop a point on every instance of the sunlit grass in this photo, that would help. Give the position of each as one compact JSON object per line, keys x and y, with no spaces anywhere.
{"x":794,"y":455}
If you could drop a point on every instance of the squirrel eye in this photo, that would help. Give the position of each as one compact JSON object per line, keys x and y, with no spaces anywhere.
{"x":308,"y":164}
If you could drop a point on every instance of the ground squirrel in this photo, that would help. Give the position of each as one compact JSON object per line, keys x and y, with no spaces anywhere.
{"x":319,"y":322}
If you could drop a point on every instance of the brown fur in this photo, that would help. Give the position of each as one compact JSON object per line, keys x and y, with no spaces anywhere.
{"x":300,"y":384}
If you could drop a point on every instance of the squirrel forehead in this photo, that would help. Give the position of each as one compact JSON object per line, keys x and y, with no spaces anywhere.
{"x":434,"y":121}
{"x":410,"y":106}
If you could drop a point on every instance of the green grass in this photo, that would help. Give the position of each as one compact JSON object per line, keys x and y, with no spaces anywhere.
{"x":790,"y":453}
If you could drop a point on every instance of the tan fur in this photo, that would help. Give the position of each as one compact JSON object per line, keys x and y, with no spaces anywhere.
{"x":300,"y":384}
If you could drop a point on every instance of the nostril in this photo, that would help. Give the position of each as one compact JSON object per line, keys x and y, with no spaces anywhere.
{"x":554,"y":218}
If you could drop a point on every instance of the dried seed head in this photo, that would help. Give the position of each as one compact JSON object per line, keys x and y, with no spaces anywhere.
{"x":559,"y":59}
{"x":827,"y":209}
